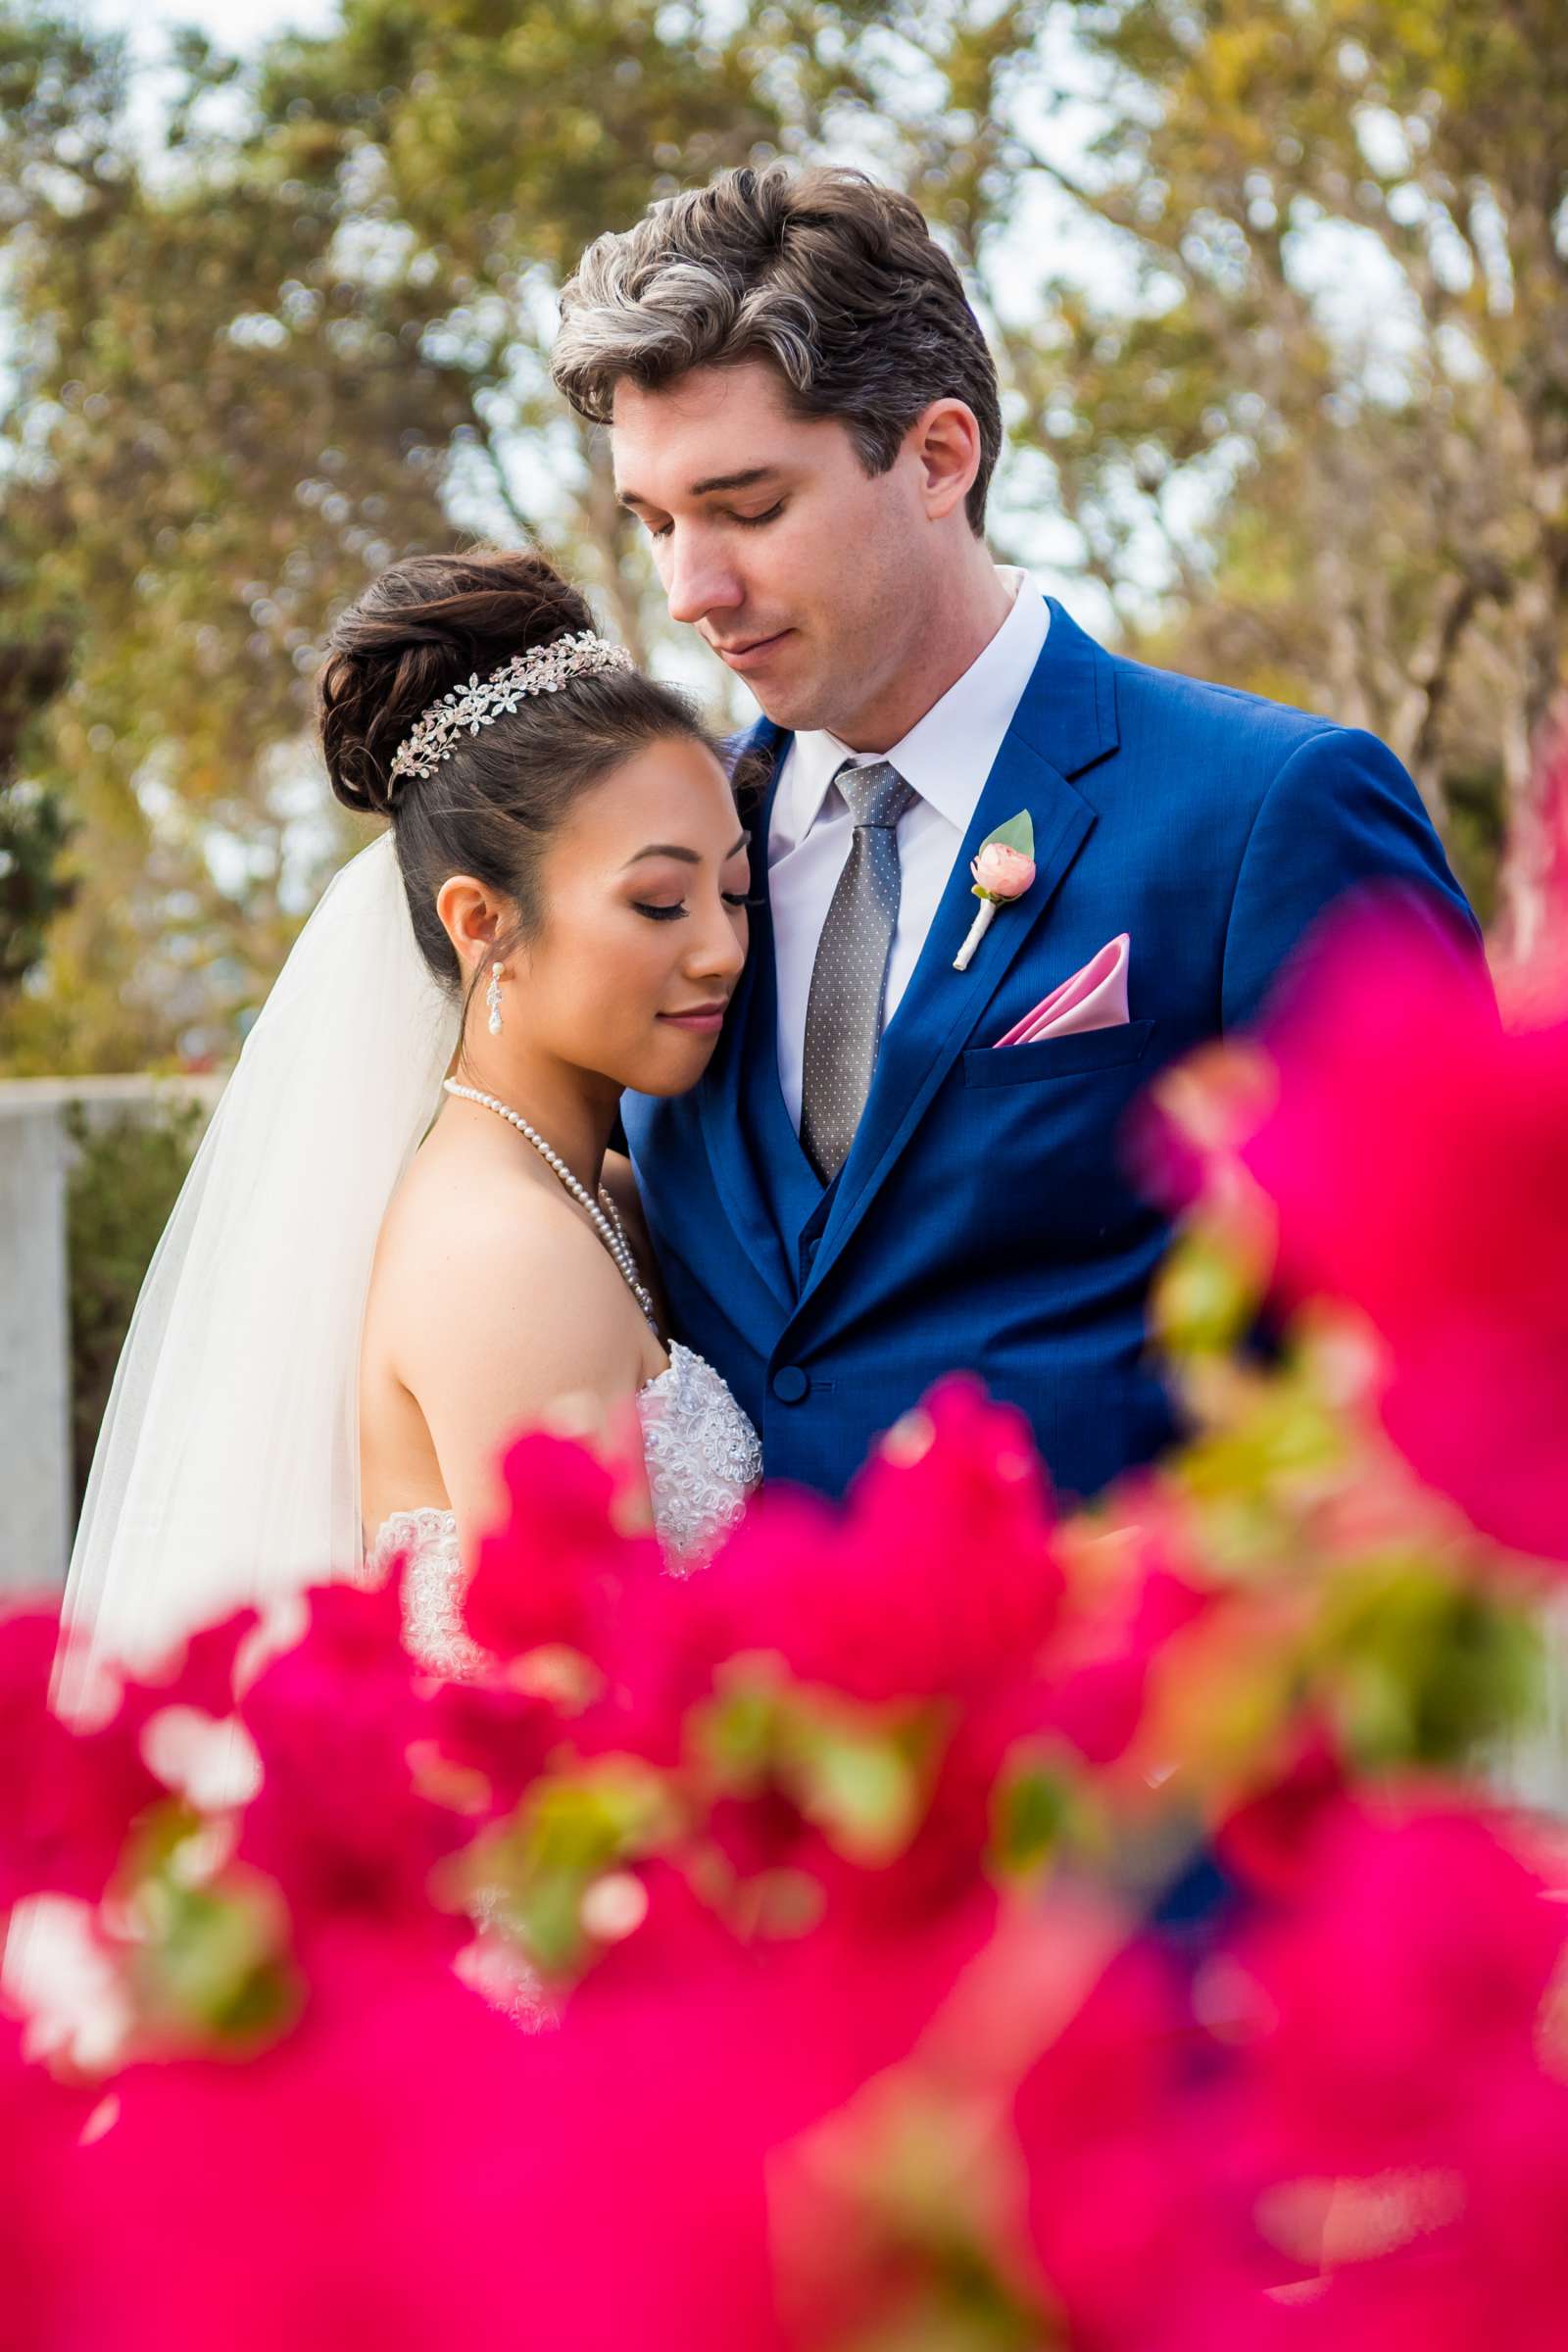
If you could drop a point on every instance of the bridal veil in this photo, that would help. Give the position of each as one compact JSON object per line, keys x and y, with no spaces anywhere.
{"x":226,"y":1469}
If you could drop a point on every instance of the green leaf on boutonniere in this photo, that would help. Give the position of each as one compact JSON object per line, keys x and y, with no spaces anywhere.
{"x":1018,"y":833}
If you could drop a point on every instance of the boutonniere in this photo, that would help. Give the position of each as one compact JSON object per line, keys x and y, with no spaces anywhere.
{"x":1004,"y":867}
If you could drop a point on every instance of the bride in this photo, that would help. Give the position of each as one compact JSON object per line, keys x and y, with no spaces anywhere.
{"x":405,"y":1237}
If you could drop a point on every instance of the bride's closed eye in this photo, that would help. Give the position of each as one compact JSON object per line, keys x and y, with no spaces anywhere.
{"x":667,"y":914}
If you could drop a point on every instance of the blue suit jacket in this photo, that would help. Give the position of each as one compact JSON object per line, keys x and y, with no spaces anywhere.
{"x":985,"y":1217}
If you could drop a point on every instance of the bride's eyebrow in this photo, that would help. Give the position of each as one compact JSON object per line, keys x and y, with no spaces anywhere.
{"x":670,"y":848}
{"x":664,"y":849}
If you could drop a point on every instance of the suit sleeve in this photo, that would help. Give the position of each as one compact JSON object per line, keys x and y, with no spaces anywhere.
{"x":1340,"y":816}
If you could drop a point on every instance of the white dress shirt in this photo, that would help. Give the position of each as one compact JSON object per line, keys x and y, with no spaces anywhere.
{"x":946,"y":759}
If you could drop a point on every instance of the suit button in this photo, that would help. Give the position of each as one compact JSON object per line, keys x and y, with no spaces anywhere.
{"x":790,"y":1384}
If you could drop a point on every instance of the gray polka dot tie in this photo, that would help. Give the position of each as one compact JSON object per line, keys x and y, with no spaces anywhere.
{"x":849,"y":979}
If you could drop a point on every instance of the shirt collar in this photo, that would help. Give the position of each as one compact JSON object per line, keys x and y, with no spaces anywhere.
{"x":947,"y":755}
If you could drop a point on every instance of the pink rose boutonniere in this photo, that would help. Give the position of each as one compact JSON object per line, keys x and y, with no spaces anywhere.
{"x":1003,"y":869}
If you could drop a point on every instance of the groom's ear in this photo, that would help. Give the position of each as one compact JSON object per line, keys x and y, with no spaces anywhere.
{"x":945,"y":440}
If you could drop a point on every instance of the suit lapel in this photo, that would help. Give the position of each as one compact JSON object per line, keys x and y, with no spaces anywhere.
{"x":1065,"y":721}
{"x":745,"y":1059}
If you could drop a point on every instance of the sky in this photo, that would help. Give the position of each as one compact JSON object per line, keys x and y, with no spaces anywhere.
{"x":236,"y":24}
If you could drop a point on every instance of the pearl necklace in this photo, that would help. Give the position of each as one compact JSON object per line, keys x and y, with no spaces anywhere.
{"x":606,"y":1223}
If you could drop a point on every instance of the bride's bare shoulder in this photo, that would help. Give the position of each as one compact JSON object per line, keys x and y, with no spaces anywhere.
{"x":457,"y":1212}
{"x":495,"y":1306}
{"x":475,"y":1249}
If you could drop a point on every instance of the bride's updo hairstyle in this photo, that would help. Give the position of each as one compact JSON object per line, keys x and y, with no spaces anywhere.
{"x":426,"y":625}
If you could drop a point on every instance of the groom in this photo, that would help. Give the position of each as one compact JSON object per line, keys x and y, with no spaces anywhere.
{"x":869,"y":1188}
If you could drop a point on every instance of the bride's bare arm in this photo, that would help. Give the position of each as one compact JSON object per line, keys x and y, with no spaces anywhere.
{"x":518,"y":1319}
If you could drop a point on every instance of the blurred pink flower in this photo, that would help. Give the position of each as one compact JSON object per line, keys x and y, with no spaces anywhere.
{"x":336,"y":1722}
{"x":1125,"y":1618}
{"x":415,"y":2173}
{"x":1416,"y":1160}
{"x":938,"y":1577}
{"x":554,"y":1573}
{"x":494,"y":1736}
{"x":44,"y":2250}
{"x":1136,"y":2246}
{"x":1398,"y":2109}
{"x":1404,"y":1986}
{"x":67,"y":1797}
{"x":1270,"y":1841}
{"x":200,"y":1673}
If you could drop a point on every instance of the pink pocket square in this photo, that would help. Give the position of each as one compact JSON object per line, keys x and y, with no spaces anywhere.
{"x":1094,"y":997}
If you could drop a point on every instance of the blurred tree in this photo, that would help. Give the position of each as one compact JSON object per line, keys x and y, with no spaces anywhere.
{"x":1277,"y":286}
{"x":218,"y":413}
{"x":1327,"y":370}
{"x":33,"y":826}
{"x":255,"y":362}
{"x":494,"y":144}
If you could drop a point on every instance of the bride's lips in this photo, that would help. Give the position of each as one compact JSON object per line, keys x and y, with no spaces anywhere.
{"x":705,"y":1020}
{"x":753,"y":654}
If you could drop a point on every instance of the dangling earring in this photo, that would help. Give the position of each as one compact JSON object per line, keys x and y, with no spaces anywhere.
{"x":492,"y":998}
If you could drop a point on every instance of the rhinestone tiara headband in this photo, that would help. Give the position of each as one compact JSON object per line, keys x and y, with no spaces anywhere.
{"x":542,"y":670}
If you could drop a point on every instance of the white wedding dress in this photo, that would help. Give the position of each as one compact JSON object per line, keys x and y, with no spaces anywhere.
{"x":702,"y":1458}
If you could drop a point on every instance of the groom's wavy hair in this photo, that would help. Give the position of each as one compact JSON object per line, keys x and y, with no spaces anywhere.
{"x":831,"y":276}
{"x":426,"y":625}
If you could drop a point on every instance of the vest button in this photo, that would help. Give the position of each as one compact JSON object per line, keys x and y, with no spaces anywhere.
{"x":790,"y":1384}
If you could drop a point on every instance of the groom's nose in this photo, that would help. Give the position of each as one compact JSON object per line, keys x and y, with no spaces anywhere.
{"x":698,"y":577}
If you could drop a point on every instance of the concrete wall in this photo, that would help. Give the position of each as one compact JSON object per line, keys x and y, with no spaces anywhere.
{"x":35,"y":1349}
{"x":36,"y":1493}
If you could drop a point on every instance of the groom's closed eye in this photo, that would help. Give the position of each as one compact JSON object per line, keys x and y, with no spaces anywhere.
{"x":749,"y":523}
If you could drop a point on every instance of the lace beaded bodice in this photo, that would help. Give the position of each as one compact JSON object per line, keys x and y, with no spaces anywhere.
{"x":703,"y":1455}
{"x":703,"y":1458}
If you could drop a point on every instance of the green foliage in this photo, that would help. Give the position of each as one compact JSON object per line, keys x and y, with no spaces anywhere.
{"x":34,"y":830}
{"x":33,"y":834}
{"x":1334,"y":400}
{"x":308,"y":332}
{"x":126,"y":1176}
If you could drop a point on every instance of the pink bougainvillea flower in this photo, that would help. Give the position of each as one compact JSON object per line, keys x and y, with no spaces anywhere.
{"x":1270,"y":1841}
{"x":1411,"y":1976}
{"x":1136,"y":2245}
{"x":940,"y":1577}
{"x":1394,"y":2114}
{"x":337,"y":1721}
{"x":200,"y":1673}
{"x":414,"y":2172}
{"x":1439,"y":2258}
{"x":491,"y":1736}
{"x":1415,"y":1157}
{"x":45,"y":2250}
{"x":1128,"y":1613}
{"x":552,"y":1574}
{"x":1347,"y":2128}
{"x":67,"y":1797}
